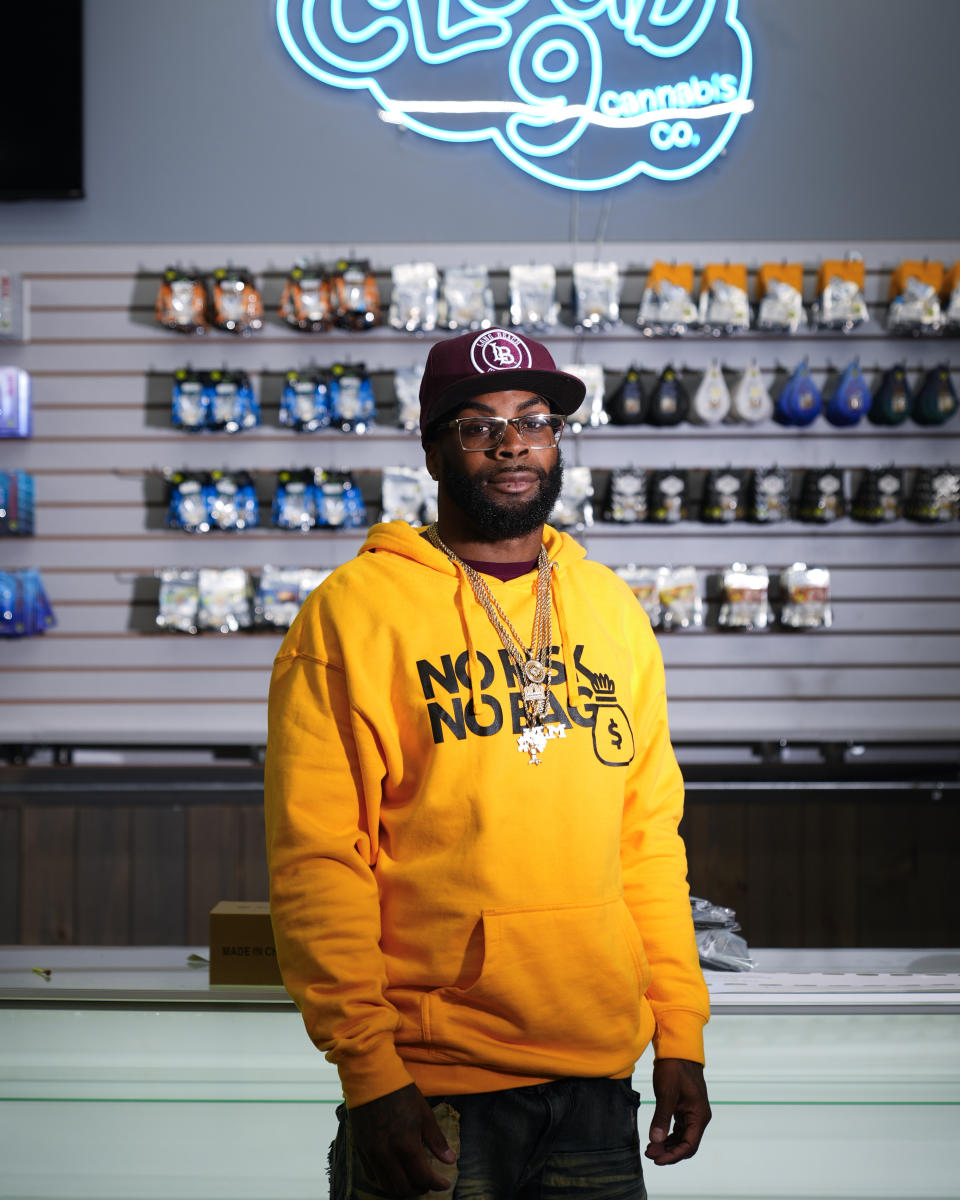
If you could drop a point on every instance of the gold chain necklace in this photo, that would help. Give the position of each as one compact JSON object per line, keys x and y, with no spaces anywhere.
{"x":533,"y":663}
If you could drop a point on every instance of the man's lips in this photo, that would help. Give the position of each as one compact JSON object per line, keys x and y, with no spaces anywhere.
{"x":513,"y":481}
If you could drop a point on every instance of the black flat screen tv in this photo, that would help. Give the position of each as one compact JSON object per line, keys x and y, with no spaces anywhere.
{"x":41,"y":125}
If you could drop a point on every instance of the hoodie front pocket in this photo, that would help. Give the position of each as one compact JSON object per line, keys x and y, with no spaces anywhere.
{"x":549,"y":977}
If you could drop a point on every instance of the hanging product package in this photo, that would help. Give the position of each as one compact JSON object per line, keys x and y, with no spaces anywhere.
{"x":339,"y":503}
{"x":592,"y":411}
{"x":281,"y":592}
{"x":16,"y":403}
{"x":680,"y":604}
{"x":723,"y":497}
{"x":305,"y":401}
{"x":354,"y":295}
{"x":822,"y":498}
{"x":179,"y":600}
{"x":750,"y":399}
{"x":596,"y":295}
{"x":769,"y":495}
{"x":806,"y":597}
{"x":667,"y":501}
{"x":187,"y":501}
{"x":236,"y":304}
{"x":467,"y":298}
{"x":724,"y":307}
{"x":306,"y":302}
{"x":406,"y":389}
{"x":745,"y":600}
{"x":711,"y":399}
{"x":626,"y":501}
{"x":294,"y":501}
{"x":414,"y":297}
{"x":841,"y":304}
{"x":915,"y":298}
{"x":226,"y":597}
{"x":670,"y":402}
{"x":627,"y":404}
{"x":189,"y":403}
{"x":533,"y":298}
{"x":17,"y":504}
{"x":574,"y":507}
{"x":231,"y":500}
{"x":643,"y":582}
{"x":850,"y":400}
{"x":25,"y":608}
{"x":403,"y":495}
{"x":951,"y":298}
{"x":935,"y":401}
{"x":780,"y":298}
{"x":935,"y":495}
{"x":893,"y":400}
{"x":666,"y":306}
{"x":352,"y":404}
{"x":181,"y":302}
{"x":231,"y":405}
{"x":799,"y":401}
{"x":879,"y":496}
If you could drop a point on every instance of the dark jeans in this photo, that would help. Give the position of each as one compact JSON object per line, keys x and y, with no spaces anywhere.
{"x":575,"y":1139}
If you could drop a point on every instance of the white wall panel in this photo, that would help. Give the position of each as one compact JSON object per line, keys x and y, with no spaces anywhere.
{"x":102,"y":374}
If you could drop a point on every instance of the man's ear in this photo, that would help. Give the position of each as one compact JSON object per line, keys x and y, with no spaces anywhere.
{"x":433,"y":465}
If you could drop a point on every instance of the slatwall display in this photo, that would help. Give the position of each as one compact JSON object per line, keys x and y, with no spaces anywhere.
{"x":887,"y":669}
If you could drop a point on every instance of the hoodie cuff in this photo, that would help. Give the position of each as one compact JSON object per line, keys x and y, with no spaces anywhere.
{"x":679,"y":1035}
{"x":372,"y":1075}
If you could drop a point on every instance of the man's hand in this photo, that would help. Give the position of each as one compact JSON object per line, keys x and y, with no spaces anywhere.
{"x":681,"y":1095}
{"x":389,"y":1135}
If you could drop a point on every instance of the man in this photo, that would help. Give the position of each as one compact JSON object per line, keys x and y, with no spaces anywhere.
{"x":477,"y":885}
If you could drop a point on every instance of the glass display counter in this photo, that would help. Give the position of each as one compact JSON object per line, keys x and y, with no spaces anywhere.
{"x":123,"y":1073}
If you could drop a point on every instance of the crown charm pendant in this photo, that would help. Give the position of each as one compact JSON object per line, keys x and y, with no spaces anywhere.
{"x":533,"y":740}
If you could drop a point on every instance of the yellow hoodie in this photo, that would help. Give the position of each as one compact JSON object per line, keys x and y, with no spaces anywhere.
{"x":447,"y":912}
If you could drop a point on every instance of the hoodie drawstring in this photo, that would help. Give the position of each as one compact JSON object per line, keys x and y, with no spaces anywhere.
{"x":566,"y":644}
{"x":465,"y":601}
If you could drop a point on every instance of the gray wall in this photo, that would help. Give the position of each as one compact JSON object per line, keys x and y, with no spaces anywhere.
{"x":852,"y":138}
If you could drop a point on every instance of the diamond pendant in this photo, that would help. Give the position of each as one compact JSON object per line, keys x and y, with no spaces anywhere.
{"x":533,"y":740}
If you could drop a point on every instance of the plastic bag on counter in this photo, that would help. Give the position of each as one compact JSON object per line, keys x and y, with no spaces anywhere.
{"x":723,"y":950}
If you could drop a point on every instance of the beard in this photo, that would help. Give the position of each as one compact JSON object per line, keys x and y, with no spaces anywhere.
{"x":498,"y":522}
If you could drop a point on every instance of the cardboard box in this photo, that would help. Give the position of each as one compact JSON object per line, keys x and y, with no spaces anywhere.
{"x":242,"y":949}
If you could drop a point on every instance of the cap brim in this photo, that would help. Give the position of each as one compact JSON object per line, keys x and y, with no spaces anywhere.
{"x":564,"y":392}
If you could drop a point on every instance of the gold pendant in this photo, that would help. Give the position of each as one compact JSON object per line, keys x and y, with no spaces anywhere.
{"x":533,"y":740}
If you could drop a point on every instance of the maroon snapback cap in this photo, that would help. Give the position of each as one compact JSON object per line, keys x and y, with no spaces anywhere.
{"x":493,"y":360}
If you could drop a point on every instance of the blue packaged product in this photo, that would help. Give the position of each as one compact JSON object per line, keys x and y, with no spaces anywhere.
{"x":294,"y":501}
{"x":799,"y":401}
{"x":352,"y":404}
{"x":851,"y":399}
{"x":16,"y":407}
{"x":189,"y":400}
{"x":305,"y":401}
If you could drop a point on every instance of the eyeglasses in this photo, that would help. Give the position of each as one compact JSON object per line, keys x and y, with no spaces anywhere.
{"x":540,"y":431}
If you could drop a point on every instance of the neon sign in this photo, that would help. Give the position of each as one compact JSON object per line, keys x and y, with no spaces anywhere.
{"x":581,"y":94}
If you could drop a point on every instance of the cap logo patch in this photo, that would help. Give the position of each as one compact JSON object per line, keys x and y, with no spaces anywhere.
{"x":499,"y":350}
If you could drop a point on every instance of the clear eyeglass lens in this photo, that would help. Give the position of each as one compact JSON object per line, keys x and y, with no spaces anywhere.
{"x":539,"y":431}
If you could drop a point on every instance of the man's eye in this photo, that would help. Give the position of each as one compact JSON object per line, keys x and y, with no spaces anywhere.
{"x":476,"y":428}
{"x":534,"y":423}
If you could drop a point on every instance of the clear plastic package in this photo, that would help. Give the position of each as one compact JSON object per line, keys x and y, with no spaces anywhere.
{"x":533,"y":298}
{"x":746,"y":598}
{"x":643,"y":582}
{"x":574,"y":507}
{"x":467,"y":298}
{"x":414,"y":297}
{"x":591,"y":411}
{"x":596,"y":295}
{"x":681,"y":606}
{"x":806,"y":597}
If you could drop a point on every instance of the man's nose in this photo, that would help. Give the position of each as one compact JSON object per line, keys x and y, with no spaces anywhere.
{"x":512,"y":443}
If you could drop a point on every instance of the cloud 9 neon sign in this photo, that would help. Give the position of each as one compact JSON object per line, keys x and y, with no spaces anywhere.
{"x":582,"y":94}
